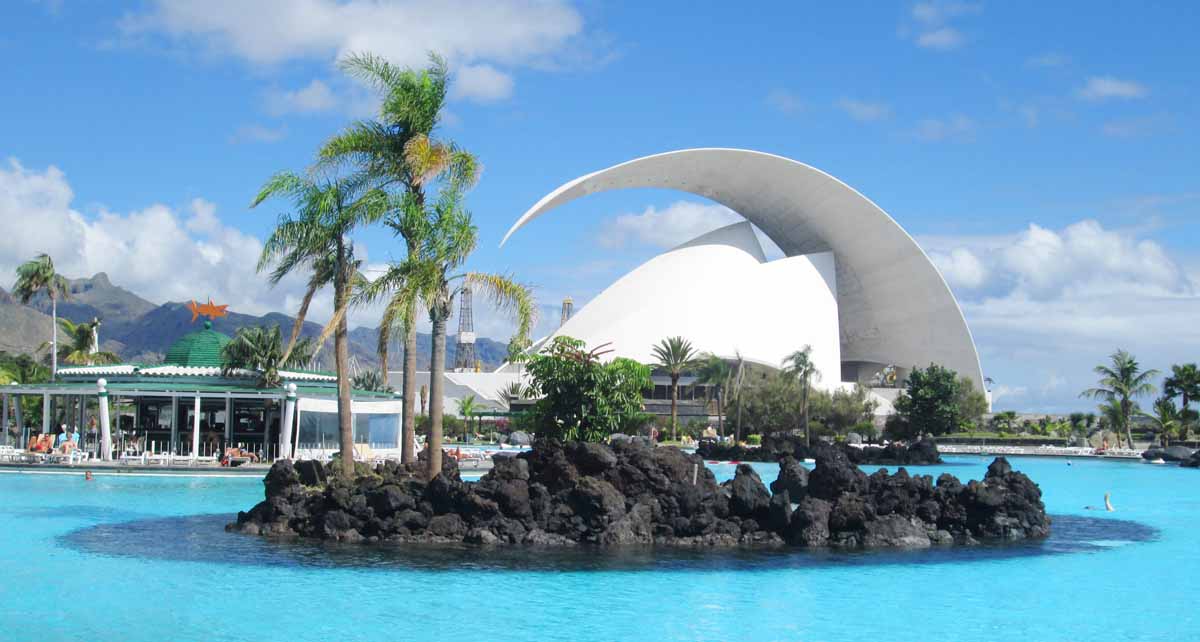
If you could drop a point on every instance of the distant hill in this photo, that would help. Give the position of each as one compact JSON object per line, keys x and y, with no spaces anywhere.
{"x":138,"y":330}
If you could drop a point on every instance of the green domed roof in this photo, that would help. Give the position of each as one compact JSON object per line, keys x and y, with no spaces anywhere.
{"x":201,"y":348}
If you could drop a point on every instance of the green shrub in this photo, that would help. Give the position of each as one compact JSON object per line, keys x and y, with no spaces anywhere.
{"x":754,"y":440}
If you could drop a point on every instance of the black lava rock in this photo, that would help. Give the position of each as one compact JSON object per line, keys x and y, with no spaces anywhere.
{"x":634,"y":493}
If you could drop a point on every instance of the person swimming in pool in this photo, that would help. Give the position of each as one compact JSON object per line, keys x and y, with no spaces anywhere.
{"x":1107,"y":504}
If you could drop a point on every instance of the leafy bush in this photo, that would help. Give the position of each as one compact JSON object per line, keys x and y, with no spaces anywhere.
{"x":581,"y":397}
{"x":929,"y":404}
{"x":754,"y":440}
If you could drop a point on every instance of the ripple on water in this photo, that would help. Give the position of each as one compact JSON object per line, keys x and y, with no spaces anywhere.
{"x":201,"y":538}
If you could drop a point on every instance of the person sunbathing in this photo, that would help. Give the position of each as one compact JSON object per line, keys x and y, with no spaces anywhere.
{"x":45,"y":444}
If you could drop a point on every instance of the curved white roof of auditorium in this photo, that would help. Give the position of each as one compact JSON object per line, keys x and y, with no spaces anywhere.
{"x":854,"y":285}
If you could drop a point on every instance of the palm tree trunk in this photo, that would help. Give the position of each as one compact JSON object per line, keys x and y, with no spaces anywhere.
{"x":720,"y":415}
{"x":408,"y":452}
{"x":807,"y":439}
{"x":437,"y":370}
{"x":53,"y":337}
{"x":674,"y":404}
{"x":298,"y":324}
{"x":341,"y":351}
{"x":1126,"y":419}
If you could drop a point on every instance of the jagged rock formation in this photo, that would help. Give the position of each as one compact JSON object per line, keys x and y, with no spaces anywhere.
{"x":778,"y":445}
{"x":631,"y":493}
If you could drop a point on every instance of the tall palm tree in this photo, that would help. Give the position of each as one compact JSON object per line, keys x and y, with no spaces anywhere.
{"x":82,"y":349}
{"x":1122,"y":381}
{"x":431,"y":277}
{"x":36,"y":276}
{"x":799,"y":365}
{"x":676,"y":356}
{"x":1183,"y":382}
{"x":716,"y":374}
{"x":398,"y":151}
{"x":737,"y":391}
{"x":261,"y":349}
{"x":327,"y":210}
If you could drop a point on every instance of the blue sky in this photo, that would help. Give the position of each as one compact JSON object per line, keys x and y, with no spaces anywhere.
{"x":1043,"y":153}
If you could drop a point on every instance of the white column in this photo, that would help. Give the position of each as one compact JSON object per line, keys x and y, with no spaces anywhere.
{"x":4,"y":419}
{"x":45,"y":413}
{"x":399,"y":423}
{"x":196,"y":427}
{"x":174,"y":424}
{"x":286,"y":423}
{"x":24,"y":430}
{"x":102,"y":400}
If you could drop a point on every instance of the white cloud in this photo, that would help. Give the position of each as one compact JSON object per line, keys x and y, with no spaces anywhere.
{"x":863,"y":111}
{"x":960,"y":267}
{"x":943,"y":39}
{"x":1106,"y":87}
{"x":1134,"y":127}
{"x":482,"y":83}
{"x":157,"y":252}
{"x":955,"y":128}
{"x":936,"y":13}
{"x":312,"y":98}
{"x":257,"y":134}
{"x":1048,"y":304}
{"x":677,"y":223}
{"x":785,"y":102}
{"x":931,"y":24}
{"x":204,"y":218}
{"x":1049,"y":59}
{"x":474,"y":35}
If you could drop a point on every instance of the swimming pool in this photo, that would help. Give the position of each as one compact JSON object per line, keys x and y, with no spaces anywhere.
{"x":145,"y":558}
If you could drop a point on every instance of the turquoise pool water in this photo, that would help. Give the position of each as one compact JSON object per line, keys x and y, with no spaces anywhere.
{"x":145,"y":558}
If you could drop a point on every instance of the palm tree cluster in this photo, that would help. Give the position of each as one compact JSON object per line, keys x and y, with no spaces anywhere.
{"x":395,"y":171}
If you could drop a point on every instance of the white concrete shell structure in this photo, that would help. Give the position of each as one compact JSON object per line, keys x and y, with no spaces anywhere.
{"x":893,"y":306}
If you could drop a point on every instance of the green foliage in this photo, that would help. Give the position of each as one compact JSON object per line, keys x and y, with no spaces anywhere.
{"x":581,"y":397}
{"x":754,"y":440}
{"x":261,"y":349}
{"x":848,"y":411}
{"x":972,"y":404}
{"x":771,"y":401}
{"x":1120,"y":383}
{"x":928,"y":405}
{"x":371,"y":380}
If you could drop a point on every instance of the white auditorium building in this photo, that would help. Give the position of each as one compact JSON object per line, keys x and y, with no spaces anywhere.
{"x":852,"y":284}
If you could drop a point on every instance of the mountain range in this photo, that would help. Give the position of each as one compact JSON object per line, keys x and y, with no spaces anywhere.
{"x":140,"y":331}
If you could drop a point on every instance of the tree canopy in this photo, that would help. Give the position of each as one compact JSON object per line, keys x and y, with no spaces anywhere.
{"x":583,"y":398}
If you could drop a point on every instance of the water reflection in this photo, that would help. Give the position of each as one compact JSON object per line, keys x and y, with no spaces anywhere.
{"x":201,"y":538}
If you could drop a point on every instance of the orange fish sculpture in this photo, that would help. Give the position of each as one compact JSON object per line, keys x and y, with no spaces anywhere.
{"x":210,"y":310}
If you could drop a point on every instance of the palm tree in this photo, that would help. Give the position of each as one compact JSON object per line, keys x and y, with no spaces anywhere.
{"x":468,"y":407}
{"x":716,"y":374}
{"x":1166,"y":418}
{"x":430,"y":277}
{"x":1122,"y":381}
{"x":800,"y":366}
{"x":398,"y":151}
{"x":36,"y":276}
{"x":82,"y":349}
{"x":261,"y":349}
{"x":371,"y":380}
{"x":316,"y":236}
{"x":737,"y":390}
{"x":1183,"y":382}
{"x":675,"y":355}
